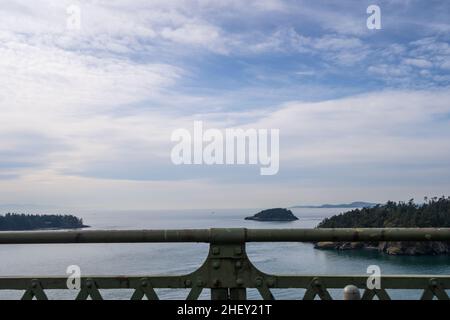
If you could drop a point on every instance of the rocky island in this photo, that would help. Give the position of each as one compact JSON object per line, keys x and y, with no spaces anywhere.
{"x":27,"y":222}
{"x":434,"y":213}
{"x":276,"y":214}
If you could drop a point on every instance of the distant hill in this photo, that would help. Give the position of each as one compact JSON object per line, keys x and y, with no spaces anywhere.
{"x":24,"y":207}
{"x":25,"y":222}
{"x":356,"y":204}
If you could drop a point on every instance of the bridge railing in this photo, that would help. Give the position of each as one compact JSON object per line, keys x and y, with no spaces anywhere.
{"x":227,"y":271}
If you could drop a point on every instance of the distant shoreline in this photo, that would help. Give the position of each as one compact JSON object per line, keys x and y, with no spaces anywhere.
{"x":353,"y":205}
{"x":47,"y":229}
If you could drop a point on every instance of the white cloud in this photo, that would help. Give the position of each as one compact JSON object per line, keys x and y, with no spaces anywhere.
{"x":363,"y":136}
{"x":385,"y":127}
{"x":420,"y":63}
{"x":389,"y":71}
{"x":44,"y":78}
{"x":126,"y":26}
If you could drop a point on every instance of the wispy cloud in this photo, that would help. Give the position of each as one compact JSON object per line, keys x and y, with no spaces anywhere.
{"x":90,"y":112}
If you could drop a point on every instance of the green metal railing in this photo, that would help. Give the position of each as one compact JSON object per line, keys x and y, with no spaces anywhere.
{"x":227,"y":270}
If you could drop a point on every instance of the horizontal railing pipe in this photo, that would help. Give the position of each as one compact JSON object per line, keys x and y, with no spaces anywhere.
{"x":105,"y":236}
{"x":226,"y":235}
{"x":349,"y":234}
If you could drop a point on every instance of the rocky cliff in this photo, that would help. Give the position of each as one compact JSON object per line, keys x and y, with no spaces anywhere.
{"x":392,"y":248}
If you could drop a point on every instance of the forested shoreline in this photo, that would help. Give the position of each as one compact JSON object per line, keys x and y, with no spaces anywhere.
{"x":24,"y":222}
{"x":433,"y":213}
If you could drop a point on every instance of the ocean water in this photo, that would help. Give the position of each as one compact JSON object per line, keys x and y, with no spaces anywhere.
{"x":172,"y":259}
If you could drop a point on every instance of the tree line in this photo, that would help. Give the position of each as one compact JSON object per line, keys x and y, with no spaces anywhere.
{"x":16,"y":222}
{"x":433,"y":213}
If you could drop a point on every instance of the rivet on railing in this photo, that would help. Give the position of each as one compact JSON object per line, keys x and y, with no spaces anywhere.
{"x":34,"y":284}
{"x":187,"y":282}
{"x":270,"y":282}
{"x":238,"y":264}
{"x":199,"y":283}
{"x":216,"y":264}
{"x":434,"y":283}
{"x":316,"y":282}
{"x":258,"y":282}
{"x":215,"y":250}
{"x":239,"y":281}
{"x":144,"y":283}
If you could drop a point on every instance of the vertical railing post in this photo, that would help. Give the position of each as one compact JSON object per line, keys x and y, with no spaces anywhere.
{"x":226,"y":260}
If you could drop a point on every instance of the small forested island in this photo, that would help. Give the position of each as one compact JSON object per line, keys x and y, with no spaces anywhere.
{"x":25,"y":222}
{"x":434,"y":213}
{"x":276,"y":214}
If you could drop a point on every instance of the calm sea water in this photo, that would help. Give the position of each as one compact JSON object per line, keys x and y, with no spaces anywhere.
{"x":170,"y":259}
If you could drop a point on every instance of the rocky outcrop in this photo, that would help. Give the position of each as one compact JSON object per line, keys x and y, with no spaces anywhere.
{"x":415,"y":248}
{"x":392,"y":247}
{"x":327,"y":245}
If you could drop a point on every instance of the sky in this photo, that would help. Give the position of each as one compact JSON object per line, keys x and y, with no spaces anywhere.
{"x":86,"y":115}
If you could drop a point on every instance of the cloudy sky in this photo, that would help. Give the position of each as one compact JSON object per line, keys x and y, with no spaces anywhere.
{"x":86,"y":115}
